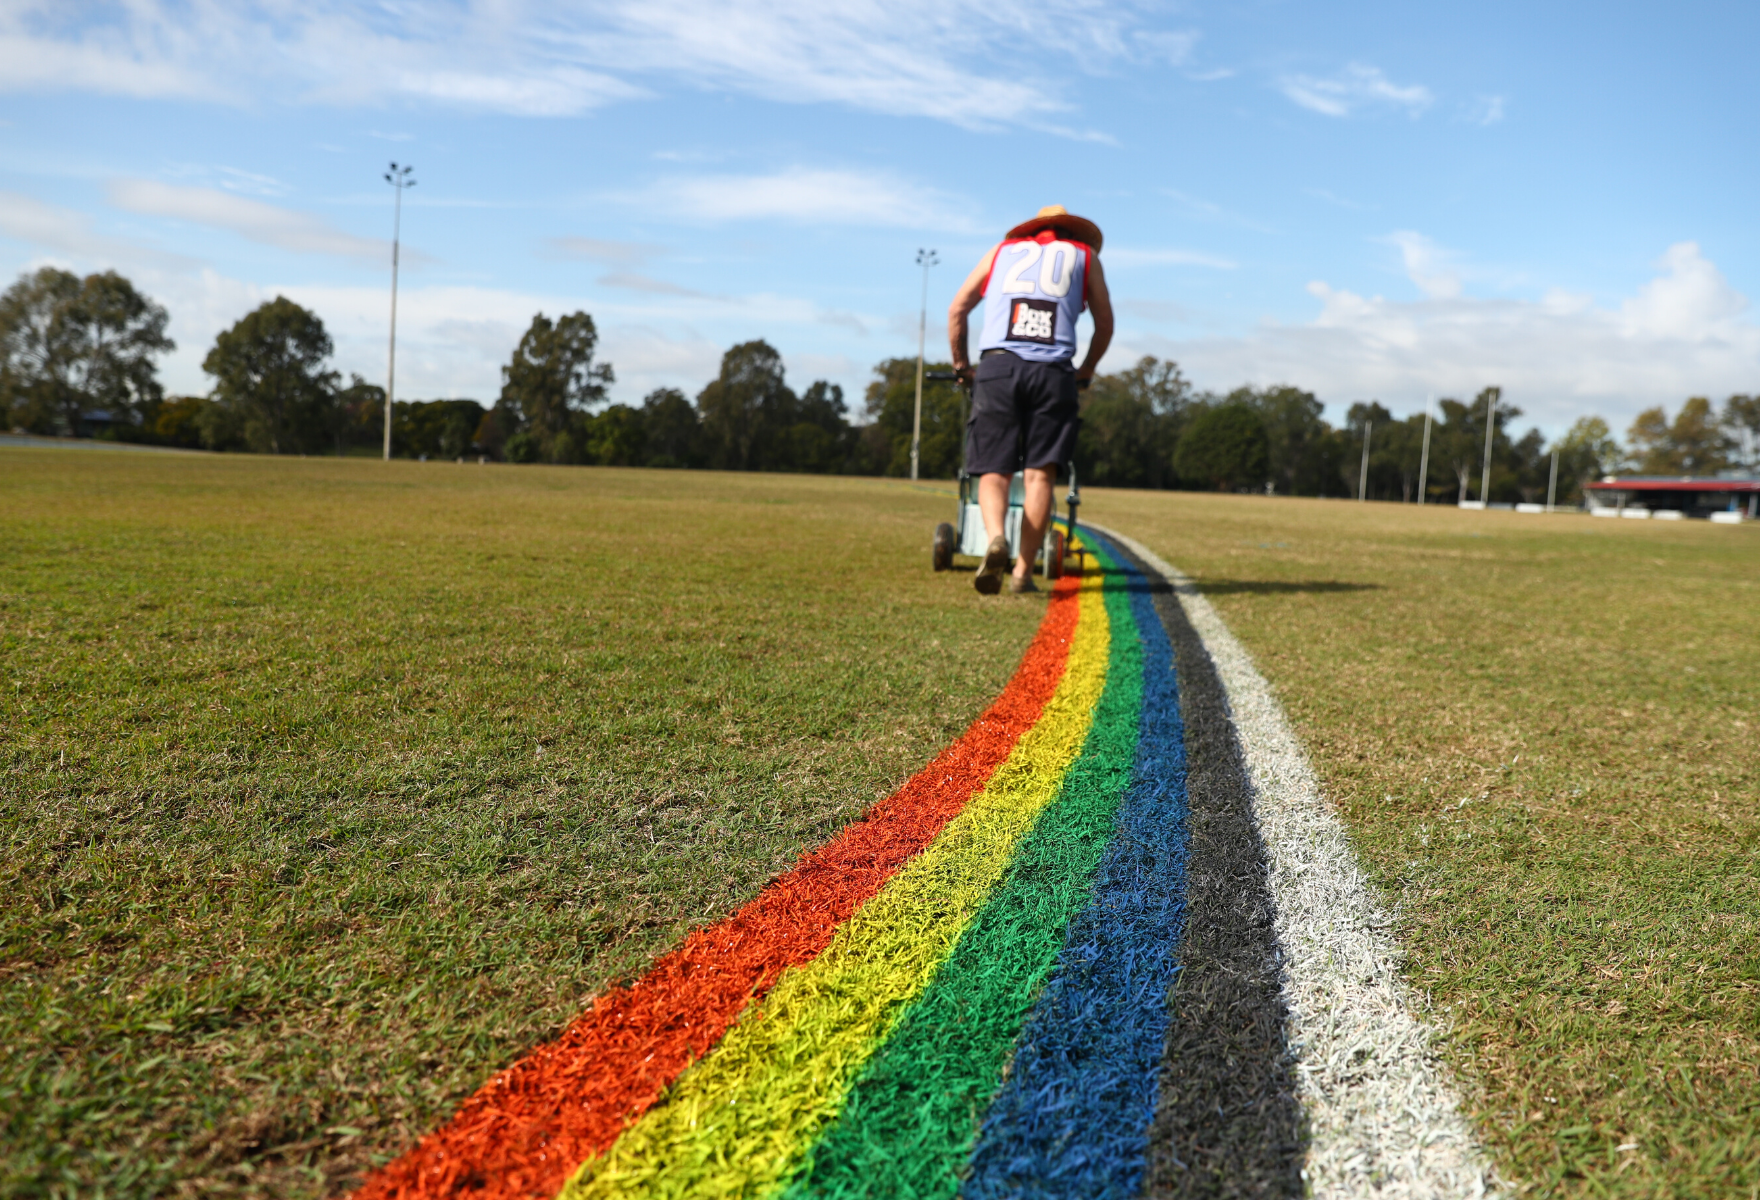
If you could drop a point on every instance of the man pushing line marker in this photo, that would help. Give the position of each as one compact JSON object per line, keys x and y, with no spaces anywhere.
{"x":1035,"y":284}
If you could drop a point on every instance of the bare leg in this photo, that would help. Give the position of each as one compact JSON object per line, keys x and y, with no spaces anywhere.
{"x":993,"y":503}
{"x":1035,"y":517}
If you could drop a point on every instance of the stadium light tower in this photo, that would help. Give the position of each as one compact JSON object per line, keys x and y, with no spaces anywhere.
{"x":1363,"y":471}
{"x":925,"y":260}
{"x":399,"y":178}
{"x":1424,"y":458}
{"x":1491,"y":396}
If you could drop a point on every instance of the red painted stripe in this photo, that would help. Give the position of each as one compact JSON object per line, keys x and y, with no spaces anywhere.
{"x":524,"y":1131}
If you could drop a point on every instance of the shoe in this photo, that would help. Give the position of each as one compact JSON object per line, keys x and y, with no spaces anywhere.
{"x":995,"y":566}
{"x":1022,"y":587}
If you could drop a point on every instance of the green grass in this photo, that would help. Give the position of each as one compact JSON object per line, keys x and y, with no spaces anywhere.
{"x":329,"y":787}
{"x":1542,"y":734}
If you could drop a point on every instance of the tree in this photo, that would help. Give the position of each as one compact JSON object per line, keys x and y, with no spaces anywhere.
{"x":496,"y":429}
{"x":1741,"y":415}
{"x":360,"y":415}
{"x":1694,"y":443}
{"x":270,"y":381}
{"x":1587,"y":451}
{"x":552,"y":380}
{"x":176,"y":421}
{"x":891,"y":403}
{"x":1225,"y":446}
{"x":615,"y":437}
{"x":673,"y":432}
{"x":220,"y":426}
{"x":820,"y":439}
{"x":1458,"y":443}
{"x":1529,"y":466}
{"x":1398,"y":452}
{"x":1382,"y":468}
{"x":739,"y":405}
{"x":1296,"y":435}
{"x":1454,"y":441}
{"x":1130,"y":425}
{"x":70,"y":346}
{"x":444,"y":429}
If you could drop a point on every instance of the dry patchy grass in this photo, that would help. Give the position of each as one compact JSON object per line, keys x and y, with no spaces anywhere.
{"x":1541,"y":731}
{"x":329,"y":787}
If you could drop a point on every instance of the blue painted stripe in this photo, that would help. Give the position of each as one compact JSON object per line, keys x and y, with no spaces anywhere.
{"x":1072,"y":1120}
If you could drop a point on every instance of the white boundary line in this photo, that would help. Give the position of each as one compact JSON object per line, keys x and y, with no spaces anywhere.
{"x":1383,"y":1116}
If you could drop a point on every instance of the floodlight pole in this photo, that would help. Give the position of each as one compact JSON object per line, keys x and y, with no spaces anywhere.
{"x":1424,"y":458}
{"x":1552,"y":481}
{"x":397,"y":177}
{"x":1490,"y":428}
{"x":1363,"y":472}
{"x":925,"y":260}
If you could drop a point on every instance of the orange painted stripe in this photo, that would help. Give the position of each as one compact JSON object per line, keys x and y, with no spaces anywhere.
{"x":522,"y":1133}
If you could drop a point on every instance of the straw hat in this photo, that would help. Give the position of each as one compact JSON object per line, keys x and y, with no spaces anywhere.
{"x":1056,"y":216}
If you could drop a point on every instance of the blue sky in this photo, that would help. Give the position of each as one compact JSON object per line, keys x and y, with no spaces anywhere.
{"x":1371,"y":201}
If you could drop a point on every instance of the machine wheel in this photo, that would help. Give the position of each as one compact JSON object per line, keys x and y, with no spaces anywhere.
{"x":1054,"y":563}
{"x":943,"y":548}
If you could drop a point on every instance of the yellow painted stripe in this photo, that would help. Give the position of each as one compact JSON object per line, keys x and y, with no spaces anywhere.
{"x":740,"y":1121}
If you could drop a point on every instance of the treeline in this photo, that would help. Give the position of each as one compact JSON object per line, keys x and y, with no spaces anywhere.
{"x":77,"y":357}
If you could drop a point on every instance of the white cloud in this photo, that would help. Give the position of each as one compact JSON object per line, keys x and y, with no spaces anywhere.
{"x":1426,"y":265}
{"x":452,"y":341}
{"x":1174,"y":48}
{"x":1485,"y":110}
{"x":803,"y":369}
{"x":144,"y":53}
{"x":64,"y":231}
{"x":1686,"y":332}
{"x":1354,"y":88}
{"x":1159,"y":311}
{"x":912,"y":57}
{"x":1690,"y":302}
{"x":1128,"y":256}
{"x":269,"y":224}
{"x":810,"y":196}
{"x":646,"y":358}
{"x":1336,"y":200}
{"x":632,"y":282}
{"x":1207,"y":210}
{"x":562,"y":92}
{"x":605,"y":251}
{"x":621,"y":257}
{"x":231,"y":179}
{"x":841,"y":319}
{"x":968,"y":62}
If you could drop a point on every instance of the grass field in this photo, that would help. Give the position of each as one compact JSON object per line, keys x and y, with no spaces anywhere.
{"x":1542,"y":733}
{"x":330,"y":787}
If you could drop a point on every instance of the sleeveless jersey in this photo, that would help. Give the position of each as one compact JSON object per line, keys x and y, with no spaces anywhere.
{"x":1036,"y":290}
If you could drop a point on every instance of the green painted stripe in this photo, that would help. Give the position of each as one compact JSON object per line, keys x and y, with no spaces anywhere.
{"x":739,"y":1122}
{"x":908,"y":1124}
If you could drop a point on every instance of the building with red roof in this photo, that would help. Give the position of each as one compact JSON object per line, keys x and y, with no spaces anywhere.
{"x":1675,"y":495}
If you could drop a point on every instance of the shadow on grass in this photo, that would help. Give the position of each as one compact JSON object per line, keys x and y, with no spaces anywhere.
{"x":1214,"y":587}
{"x":1279,"y":587}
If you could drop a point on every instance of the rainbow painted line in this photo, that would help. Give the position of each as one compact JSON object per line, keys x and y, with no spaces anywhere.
{"x":965,"y":993}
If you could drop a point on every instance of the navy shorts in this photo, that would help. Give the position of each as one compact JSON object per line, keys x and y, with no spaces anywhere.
{"x":1024,"y":414}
